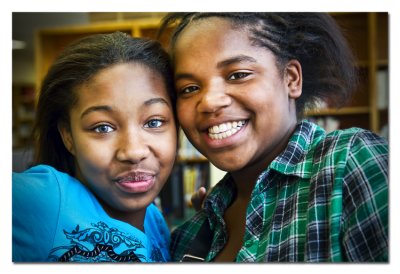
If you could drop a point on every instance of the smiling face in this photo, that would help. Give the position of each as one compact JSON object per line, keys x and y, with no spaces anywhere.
{"x":234,"y":104}
{"x":123,"y":136}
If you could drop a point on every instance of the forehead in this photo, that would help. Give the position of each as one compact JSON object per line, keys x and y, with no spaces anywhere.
{"x":212,"y":33}
{"x":212,"y":40}
{"x":123,"y":83}
{"x":132,"y":73}
{"x":204,"y":27}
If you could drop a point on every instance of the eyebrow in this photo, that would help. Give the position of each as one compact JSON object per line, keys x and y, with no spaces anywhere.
{"x":232,"y":60}
{"x":106,"y":108}
{"x":155,"y":101}
{"x":236,"y":59}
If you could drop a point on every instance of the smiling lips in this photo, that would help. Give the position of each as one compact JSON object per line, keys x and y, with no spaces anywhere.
{"x":224,"y":130}
{"x":137,"y":182}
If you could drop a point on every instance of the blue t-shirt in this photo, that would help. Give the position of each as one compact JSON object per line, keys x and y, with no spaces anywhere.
{"x":56,"y":218}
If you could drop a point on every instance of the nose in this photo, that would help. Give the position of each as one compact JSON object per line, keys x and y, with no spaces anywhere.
{"x":132,"y":147}
{"x":214,"y":98}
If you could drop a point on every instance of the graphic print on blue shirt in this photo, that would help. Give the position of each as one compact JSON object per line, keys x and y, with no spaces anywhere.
{"x":100,"y":243}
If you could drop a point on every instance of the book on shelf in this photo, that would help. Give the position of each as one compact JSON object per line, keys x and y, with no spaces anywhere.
{"x":186,"y":149}
{"x":194,"y":176}
{"x":171,"y":196}
{"x":328,"y":123}
{"x":382,"y":81}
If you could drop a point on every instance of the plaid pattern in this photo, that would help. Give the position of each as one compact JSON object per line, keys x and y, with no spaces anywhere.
{"x":324,"y":199}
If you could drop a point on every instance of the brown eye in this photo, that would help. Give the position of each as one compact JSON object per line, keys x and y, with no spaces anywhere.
{"x":238,"y":75}
{"x":189,"y":89}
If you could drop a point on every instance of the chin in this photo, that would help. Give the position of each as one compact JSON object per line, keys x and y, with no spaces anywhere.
{"x":227,"y":166}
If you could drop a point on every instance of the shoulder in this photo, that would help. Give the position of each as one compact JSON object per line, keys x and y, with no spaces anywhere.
{"x":35,"y":209}
{"x":354,"y":136}
{"x":154,"y":216}
{"x":362,"y":157}
{"x":38,"y":190}
{"x":38,"y":180}
{"x":40,"y":174}
{"x":367,"y":162}
{"x":365,"y":196}
{"x":157,"y":231}
{"x":352,"y":158}
{"x":155,"y":223}
{"x":47,"y":178}
{"x":44,"y":180}
{"x":356,"y":142}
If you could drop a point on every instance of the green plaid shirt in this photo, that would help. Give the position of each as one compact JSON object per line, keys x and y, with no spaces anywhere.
{"x":324,"y":199}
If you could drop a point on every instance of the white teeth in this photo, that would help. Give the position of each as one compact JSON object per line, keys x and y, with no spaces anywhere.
{"x":225,"y":130}
{"x":222,"y":127}
{"x":214,"y":129}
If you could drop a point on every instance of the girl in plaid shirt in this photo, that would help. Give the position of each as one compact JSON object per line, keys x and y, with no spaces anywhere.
{"x":292,"y":191}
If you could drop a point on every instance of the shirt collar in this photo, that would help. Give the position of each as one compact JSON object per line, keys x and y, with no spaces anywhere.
{"x":221,"y":196}
{"x":294,"y":159}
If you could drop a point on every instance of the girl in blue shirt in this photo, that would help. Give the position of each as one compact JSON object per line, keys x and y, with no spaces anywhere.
{"x":106,"y":143}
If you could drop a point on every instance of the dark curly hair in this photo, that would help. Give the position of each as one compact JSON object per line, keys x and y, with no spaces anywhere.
{"x":314,"y":39}
{"x":77,"y":64}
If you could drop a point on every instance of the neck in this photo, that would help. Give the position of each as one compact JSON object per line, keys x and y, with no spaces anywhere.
{"x":245,"y":182}
{"x":245,"y":178}
{"x":135,"y":219}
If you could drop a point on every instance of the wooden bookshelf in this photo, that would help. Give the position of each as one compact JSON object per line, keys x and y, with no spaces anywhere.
{"x":367,"y":34}
{"x":50,"y":42}
{"x":23,"y":115}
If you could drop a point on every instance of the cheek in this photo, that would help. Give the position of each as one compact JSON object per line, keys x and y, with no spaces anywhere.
{"x":269,"y":97}
{"x":92,"y":158}
{"x":166,"y":147}
{"x":186,"y":113}
{"x":166,"y":158}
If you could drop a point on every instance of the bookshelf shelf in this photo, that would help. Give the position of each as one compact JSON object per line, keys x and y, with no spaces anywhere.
{"x":341,"y":111}
{"x":23,"y":115}
{"x":193,"y":160}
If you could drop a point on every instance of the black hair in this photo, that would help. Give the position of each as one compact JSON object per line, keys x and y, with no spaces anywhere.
{"x":314,"y":39}
{"x":77,"y":64}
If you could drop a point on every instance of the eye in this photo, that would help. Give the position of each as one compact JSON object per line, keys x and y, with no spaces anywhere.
{"x":189,"y":89}
{"x":154,"y":123}
{"x":238,"y":75}
{"x":103,"y":129}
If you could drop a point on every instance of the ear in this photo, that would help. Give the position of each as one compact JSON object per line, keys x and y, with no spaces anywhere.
{"x":293,"y":78}
{"x":66,"y":137}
